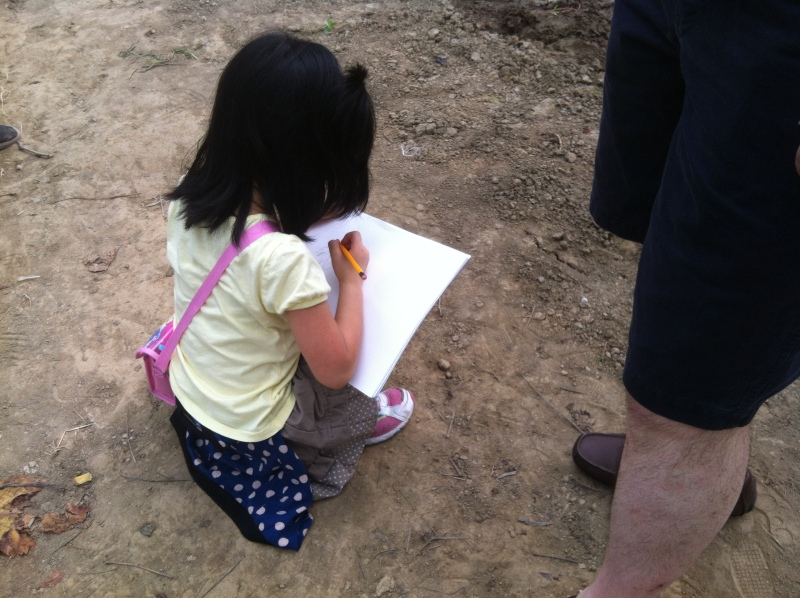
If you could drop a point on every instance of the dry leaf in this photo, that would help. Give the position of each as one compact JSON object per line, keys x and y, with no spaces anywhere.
{"x":25,"y":521}
{"x":57,"y":523}
{"x":53,"y":579}
{"x":77,"y":513}
{"x":8,"y":495}
{"x":14,"y":543}
{"x":54,"y":523}
{"x":99,"y":262}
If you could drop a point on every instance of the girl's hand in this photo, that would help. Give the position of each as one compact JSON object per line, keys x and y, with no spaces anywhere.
{"x":342,"y":268}
{"x":331,"y":344}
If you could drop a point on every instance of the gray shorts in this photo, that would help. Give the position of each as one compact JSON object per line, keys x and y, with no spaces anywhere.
{"x":328,"y":429}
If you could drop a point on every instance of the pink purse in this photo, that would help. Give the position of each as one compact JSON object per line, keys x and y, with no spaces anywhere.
{"x":157,"y":352}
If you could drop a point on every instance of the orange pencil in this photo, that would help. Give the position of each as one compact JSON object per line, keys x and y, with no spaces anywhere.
{"x":353,"y":261}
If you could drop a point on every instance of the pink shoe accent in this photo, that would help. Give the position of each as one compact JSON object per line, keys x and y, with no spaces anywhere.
{"x":395,"y":407}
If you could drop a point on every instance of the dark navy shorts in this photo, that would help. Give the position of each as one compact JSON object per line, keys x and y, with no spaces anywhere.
{"x":696,"y":160}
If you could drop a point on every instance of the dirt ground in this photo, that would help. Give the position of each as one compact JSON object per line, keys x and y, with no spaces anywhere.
{"x":488,"y":115}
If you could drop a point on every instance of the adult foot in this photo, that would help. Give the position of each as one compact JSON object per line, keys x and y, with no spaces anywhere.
{"x":395,"y":407}
{"x":599,"y":455}
{"x":8,"y":135}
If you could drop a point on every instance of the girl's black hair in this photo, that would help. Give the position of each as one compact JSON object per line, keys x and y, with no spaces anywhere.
{"x":288,"y":123}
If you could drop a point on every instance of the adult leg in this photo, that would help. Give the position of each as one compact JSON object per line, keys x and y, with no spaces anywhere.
{"x":676,"y":488}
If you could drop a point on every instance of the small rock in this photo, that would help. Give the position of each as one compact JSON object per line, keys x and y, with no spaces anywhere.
{"x":451,"y":132}
{"x":476,"y":57}
{"x":433,"y":33}
{"x":558,"y":236}
{"x":443,"y":365}
{"x":385,"y":586}
{"x":147,"y":529}
{"x":571,"y":157}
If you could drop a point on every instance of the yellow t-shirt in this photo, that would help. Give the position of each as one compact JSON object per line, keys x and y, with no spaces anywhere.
{"x":233,"y":368}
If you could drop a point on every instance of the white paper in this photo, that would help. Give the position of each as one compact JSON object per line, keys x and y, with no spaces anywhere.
{"x":406,"y":275}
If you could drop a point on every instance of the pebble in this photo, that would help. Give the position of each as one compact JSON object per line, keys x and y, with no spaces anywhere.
{"x":571,"y":157}
{"x":385,"y":585}
{"x":147,"y":529}
{"x":443,"y":365}
{"x":433,"y":33}
{"x":476,"y":57}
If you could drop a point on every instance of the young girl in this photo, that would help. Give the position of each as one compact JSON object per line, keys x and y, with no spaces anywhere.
{"x":265,"y":415}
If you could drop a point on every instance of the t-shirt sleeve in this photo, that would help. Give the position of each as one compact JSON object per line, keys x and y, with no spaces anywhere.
{"x":292,"y":279}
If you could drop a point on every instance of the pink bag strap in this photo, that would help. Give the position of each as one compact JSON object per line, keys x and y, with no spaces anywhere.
{"x":250,"y":235}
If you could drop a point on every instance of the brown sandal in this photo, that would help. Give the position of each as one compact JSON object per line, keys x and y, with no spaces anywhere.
{"x":599,"y":455}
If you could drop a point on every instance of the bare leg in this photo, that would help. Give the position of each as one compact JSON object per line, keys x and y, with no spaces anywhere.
{"x":676,"y":488}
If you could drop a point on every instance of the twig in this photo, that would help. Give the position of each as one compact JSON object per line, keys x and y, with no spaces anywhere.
{"x":33,"y":152}
{"x":60,"y":440}
{"x":228,"y":572}
{"x":550,"y":556}
{"x":530,"y":317}
{"x":128,"y":435}
{"x":360,"y":566}
{"x":458,"y":471}
{"x":76,"y":412}
{"x":382,"y":552}
{"x":98,"y":198}
{"x":534,"y":523}
{"x":68,"y":541}
{"x":437,"y":539}
{"x":450,"y":427}
{"x":577,"y":392}
{"x":588,"y":487}
{"x":128,"y":477}
{"x":439,"y":305}
{"x":506,"y":474}
{"x":549,"y":404}
{"x":140,"y":567}
{"x":408,"y":540}
{"x":31,"y":484}
{"x":425,"y":521}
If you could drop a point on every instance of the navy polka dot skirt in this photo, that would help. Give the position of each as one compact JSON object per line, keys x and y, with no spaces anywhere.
{"x":262,"y":486}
